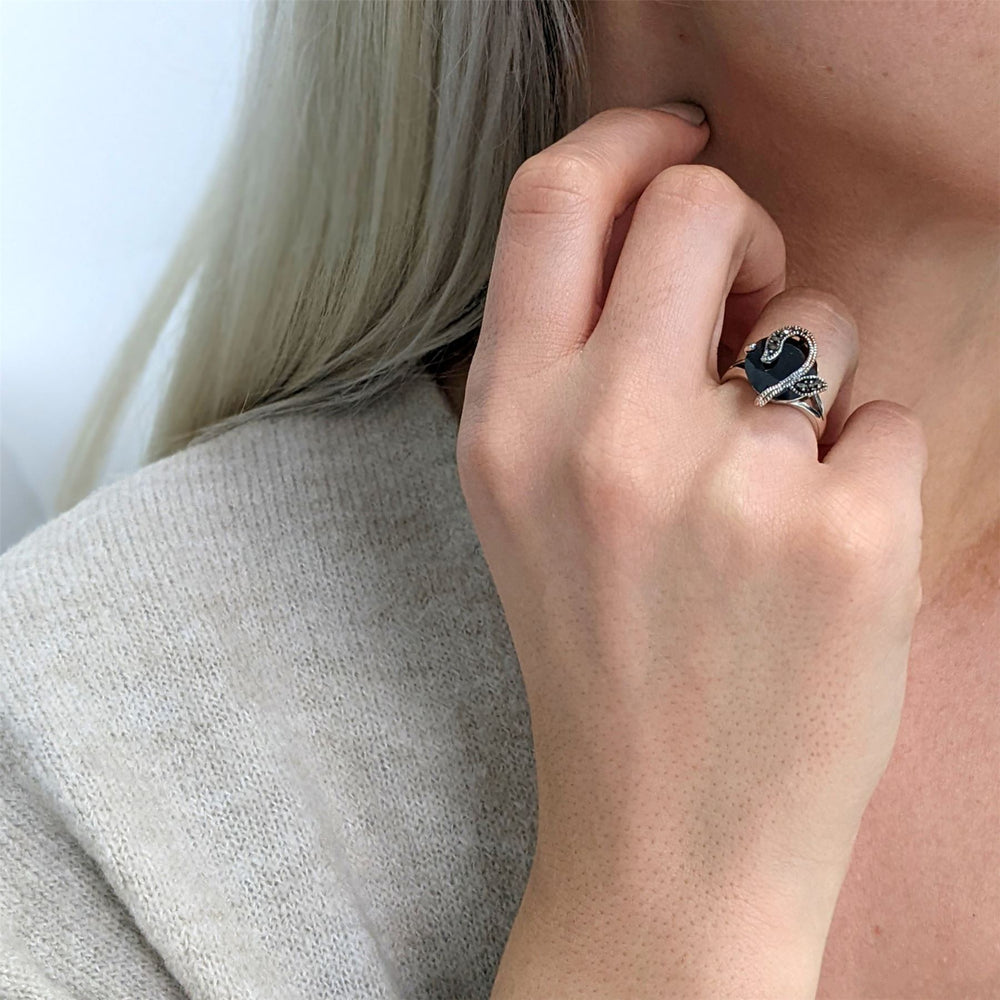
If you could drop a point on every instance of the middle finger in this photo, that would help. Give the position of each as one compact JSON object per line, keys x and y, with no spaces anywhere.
{"x":695,"y":238}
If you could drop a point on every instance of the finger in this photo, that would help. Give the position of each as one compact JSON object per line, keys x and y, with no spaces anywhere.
{"x":836,"y":334}
{"x":547,"y":276}
{"x":695,"y":238}
{"x":882,"y":448}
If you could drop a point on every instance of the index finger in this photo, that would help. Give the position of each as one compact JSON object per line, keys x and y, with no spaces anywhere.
{"x":548,"y":265}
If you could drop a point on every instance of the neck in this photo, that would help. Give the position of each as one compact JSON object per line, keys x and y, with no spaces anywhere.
{"x":927,"y":308}
{"x":923,"y":287}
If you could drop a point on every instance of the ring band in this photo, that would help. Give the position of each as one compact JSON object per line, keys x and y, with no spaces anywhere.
{"x":781,"y":368}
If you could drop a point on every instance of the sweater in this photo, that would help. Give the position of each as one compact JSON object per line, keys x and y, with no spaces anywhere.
{"x":263,"y":733}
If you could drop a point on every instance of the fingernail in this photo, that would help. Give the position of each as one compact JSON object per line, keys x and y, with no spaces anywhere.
{"x":692,"y":113}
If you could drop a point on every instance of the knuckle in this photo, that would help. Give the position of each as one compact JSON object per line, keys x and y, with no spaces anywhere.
{"x":727,"y":515}
{"x":697,"y":186}
{"x":897,"y":433}
{"x":612,"y":483}
{"x":895,"y":419}
{"x":854,"y":538}
{"x":555,"y":182}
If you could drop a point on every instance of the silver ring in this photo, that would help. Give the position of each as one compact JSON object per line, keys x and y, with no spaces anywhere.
{"x":781,"y":368}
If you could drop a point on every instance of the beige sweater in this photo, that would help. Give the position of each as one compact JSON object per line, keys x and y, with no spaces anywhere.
{"x":262,"y":727}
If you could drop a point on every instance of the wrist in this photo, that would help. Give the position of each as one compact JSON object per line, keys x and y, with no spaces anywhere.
{"x":575,"y":936}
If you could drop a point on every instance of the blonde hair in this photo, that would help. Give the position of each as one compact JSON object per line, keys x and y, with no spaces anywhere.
{"x":347,"y":234}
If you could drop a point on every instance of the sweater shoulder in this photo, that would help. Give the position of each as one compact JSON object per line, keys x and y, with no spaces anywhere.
{"x":282,"y":464}
{"x":266,"y":688}
{"x":212,"y":543}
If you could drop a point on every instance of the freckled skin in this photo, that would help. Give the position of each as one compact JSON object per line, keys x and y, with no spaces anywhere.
{"x":859,"y":126}
{"x":869,"y":132}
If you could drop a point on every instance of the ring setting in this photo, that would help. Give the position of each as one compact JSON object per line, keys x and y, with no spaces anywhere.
{"x":781,"y":368}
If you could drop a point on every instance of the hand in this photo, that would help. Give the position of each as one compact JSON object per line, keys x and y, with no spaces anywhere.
{"x":712,"y":621}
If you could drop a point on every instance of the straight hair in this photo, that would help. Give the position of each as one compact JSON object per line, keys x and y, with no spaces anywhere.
{"x":346,"y":235}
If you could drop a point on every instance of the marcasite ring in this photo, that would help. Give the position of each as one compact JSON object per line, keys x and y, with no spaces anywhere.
{"x":781,"y":368}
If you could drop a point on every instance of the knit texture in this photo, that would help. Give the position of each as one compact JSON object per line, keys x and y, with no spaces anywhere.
{"x":263,"y":732}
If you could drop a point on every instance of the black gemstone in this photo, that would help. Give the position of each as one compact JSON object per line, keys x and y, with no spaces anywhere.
{"x":762,"y":376}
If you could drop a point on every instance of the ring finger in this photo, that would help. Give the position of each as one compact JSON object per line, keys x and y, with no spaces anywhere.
{"x":835,"y":333}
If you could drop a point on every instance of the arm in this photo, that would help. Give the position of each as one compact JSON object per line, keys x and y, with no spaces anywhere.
{"x":681,"y":945}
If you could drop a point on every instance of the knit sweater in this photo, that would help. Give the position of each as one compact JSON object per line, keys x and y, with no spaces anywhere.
{"x":263,"y":732}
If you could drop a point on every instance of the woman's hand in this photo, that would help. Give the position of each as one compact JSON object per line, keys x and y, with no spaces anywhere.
{"x":712,"y":623}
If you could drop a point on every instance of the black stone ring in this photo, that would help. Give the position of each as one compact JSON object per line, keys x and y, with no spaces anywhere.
{"x":781,"y":368}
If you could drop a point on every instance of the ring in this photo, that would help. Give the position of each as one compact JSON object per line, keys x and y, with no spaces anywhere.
{"x":781,"y":368}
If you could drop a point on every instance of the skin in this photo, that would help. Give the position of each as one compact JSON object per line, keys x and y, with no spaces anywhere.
{"x":700,"y":785}
{"x":870,"y":132}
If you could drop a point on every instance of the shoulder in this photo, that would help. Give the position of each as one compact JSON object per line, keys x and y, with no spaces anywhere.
{"x":254,"y":476}
{"x":230,"y":684}
{"x":205,"y":548}
{"x":246,"y":471}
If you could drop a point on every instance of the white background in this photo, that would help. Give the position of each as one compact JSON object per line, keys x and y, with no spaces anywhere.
{"x":111,"y":115}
